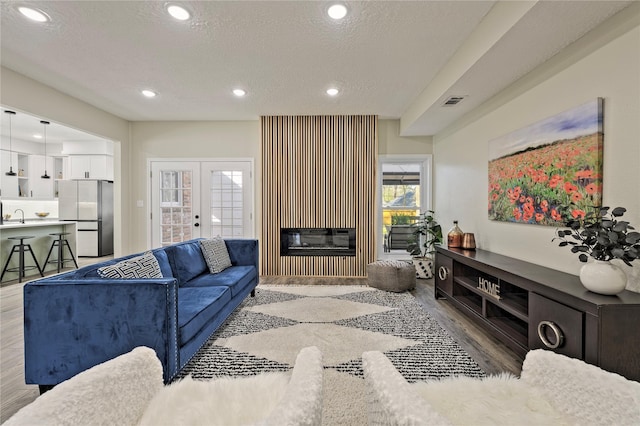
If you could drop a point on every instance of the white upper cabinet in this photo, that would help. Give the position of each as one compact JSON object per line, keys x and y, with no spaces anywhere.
{"x":91,"y":167}
{"x":8,"y":184}
{"x":39,"y":187}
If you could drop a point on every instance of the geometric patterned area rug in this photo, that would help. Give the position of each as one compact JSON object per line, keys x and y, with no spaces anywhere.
{"x":266,"y":333}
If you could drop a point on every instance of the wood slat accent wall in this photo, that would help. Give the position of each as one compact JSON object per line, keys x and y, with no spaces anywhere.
{"x":317,"y":172}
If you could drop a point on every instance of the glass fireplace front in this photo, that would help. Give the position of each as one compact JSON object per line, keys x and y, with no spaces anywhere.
{"x":317,"y":242}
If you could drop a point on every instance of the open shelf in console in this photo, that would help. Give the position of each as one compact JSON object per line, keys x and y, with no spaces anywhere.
{"x":513,"y":327}
{"x":503,"y":306}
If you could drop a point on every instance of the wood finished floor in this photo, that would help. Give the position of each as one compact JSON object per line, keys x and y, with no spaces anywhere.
{"x":14,"y":393}
{"x":488,"y":352}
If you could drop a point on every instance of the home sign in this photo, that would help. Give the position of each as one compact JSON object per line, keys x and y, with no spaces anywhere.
{"x":491,"y":288}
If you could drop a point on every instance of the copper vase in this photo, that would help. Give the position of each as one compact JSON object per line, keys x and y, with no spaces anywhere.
{"x":468,"y":241}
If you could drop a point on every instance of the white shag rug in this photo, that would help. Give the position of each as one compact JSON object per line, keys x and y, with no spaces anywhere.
{"x":267,"y":331}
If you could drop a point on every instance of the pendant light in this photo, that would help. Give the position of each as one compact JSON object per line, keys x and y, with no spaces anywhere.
{"x":10,"y":172}
{"x":44,"y":125}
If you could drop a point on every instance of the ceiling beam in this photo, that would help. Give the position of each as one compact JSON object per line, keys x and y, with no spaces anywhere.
{"x":494,"y":26}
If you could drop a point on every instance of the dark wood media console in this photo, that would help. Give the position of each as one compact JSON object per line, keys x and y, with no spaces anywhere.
{"x":529,"y":307}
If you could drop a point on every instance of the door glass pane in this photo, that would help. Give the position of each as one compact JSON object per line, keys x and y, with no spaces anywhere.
{"x":226,"y":203}
{"x":400,"y":201}
{"x":176,"y":206}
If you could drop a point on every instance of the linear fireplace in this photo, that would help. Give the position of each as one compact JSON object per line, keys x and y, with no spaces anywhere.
{"x":317,"y":241}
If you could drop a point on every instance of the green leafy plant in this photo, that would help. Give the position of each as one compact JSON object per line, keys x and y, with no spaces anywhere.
{"x":426,"y":234}
{"x":601,"y":235}
{"x":402,"y":219}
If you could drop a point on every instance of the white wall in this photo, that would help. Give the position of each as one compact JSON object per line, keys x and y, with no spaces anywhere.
{"x":391,"y":143}
{"x":187,"y":139}
{"x":607,"y":65}
{"x":24,"y":94}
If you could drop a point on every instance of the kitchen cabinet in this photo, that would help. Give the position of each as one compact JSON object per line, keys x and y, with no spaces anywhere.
{"x":91,"y":167}
{"x":8,"y":184}
{"x":38,"y":187}
{"x":28,"y":182}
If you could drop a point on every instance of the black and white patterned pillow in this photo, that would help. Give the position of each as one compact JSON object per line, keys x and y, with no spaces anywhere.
{"x":145,"y":266}
{"x":215,"y":254}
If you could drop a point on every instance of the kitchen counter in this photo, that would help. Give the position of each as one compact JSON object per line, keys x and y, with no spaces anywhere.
{"x":12,"y":224}
{"x":40,"y":244}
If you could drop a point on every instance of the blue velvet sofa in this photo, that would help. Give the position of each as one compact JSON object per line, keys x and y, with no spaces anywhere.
{"x":75,"y":320}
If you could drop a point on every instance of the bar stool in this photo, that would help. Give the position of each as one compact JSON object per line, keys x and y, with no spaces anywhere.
{"x":60,"y":242}
{"x":20,"y":249}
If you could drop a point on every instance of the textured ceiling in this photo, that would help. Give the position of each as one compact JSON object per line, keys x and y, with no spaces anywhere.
{"x":385,"y":56}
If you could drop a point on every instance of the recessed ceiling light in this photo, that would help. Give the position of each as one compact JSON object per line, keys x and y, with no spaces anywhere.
{"x":337,"y":11}
{"x":239,"y":92}
{"x":34,"y":14}
{"x":333,"y":91}
{"x":149,"y":93}
{"x":178,"y":12}
{"x":37,"y":136}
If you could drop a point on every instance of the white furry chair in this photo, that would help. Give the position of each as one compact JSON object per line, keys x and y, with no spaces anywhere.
{"x":128,"y":390}
{"x":115,"y":392}
{"x":552,"y":389}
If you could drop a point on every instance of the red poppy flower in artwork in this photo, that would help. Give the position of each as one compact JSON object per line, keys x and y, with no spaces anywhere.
{"x":544,"y":205}
{"x":583,"y":174}
{"x":578,"y":213}
{"x":554,"y":181}
{"x":516,"y":214}
{"x":528,"y":208}
{"x":555,"y":215}
{"x":591,"y":189}
{"x":576,"y":196}
{"x":539,"y":217}
{"x":570,"y":188}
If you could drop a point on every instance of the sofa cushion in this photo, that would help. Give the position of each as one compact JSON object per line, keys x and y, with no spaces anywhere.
{"x":145,"y":266}
{"x":215,"y":254}
{"x":186,"y":260}
{"x":236,"y":278}
{"x":91,"y":271}
{"x":197,"y":307}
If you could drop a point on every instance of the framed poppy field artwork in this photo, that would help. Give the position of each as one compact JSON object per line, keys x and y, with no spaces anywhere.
{"x":548,"y":172}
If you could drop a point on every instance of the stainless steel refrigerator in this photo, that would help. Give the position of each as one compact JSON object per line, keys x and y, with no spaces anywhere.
{"x":90,"y":203}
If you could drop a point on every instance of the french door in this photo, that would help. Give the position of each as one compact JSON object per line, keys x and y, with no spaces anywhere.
{"x":191,"y":199}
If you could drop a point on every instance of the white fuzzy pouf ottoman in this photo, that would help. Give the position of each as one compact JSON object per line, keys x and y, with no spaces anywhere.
{"x":391,"y":275}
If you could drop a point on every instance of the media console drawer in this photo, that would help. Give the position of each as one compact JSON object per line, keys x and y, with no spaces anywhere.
{"x":555,"y":327}
{"x":528,"y":306}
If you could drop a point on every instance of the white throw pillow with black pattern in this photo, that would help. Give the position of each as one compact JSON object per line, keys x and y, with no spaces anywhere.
{"x":145,"y":266}
{"x":215,"y":254}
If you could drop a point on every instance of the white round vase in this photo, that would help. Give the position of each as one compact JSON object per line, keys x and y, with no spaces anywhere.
{"x":603,"y":277}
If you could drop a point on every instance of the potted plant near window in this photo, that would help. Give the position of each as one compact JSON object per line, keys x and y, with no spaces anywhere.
{"x":426,"y":234}
{"x":602,"y":236}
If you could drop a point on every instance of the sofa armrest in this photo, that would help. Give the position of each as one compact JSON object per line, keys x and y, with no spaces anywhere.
{"x":584,"y":391}
{"x":72,"y":325}
{"x":116,"y":392}
{"x":243,"y":252}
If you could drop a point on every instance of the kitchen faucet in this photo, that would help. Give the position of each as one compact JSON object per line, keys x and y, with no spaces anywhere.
{"x":22,"y":211}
